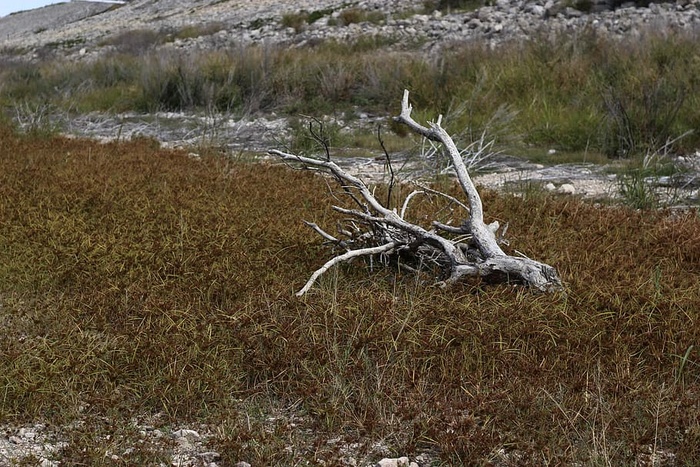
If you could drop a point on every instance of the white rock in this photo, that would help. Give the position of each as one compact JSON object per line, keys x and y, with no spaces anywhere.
{"x":393,"y":462}
{"x":567,"y":189}
{"x":190,"y":434}
{"x":209,"y":456}
{"x":26,"y":433}
{"x":550,"y":186}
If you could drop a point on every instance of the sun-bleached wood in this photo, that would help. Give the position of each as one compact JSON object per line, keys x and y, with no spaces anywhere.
{"x":476,"y":252}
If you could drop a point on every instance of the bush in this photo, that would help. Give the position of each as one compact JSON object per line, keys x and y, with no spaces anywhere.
{"x":581,"y":94}
{"x":296,"y":21}
{"x":135,"y":42}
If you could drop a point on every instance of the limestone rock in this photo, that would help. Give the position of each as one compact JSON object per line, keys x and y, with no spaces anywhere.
{"x":567,"y":189}
{"x":395,"y":462}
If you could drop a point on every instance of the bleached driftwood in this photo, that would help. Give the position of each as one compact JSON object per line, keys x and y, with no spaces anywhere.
{"x":377,"y":230}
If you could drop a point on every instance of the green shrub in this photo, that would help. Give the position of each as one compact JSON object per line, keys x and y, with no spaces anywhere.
{"x":135,"y":42}
{"x":297,"y":21}
{"x":582,"y":94}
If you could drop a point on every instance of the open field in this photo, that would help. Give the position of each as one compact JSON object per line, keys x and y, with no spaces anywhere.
{"x":141,"y":284}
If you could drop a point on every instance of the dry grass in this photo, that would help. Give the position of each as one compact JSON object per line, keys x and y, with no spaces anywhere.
{"x":584,"y":94}
{"x":136,"y":281}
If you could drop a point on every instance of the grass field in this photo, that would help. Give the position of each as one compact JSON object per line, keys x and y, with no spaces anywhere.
{"x":137,"y":282}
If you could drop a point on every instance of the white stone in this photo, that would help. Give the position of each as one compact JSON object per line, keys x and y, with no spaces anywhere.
{"x":190,"y":434}
{"x":394,"y":462}
{"x":550,"y":186}
{"x":26,"y":433}
{"x":567,"y":189}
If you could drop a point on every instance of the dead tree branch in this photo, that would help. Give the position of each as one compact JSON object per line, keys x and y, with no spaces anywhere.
{"x":375,"y":229}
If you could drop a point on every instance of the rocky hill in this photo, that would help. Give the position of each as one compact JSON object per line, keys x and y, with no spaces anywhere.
{"x":82,"y":29}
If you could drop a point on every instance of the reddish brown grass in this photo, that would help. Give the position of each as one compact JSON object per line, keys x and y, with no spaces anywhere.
{"x":137,"y":281}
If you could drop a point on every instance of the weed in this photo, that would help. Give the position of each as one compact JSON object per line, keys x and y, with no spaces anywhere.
{"x":637,"y":190}
{"x":449,"y":5}
{"x":35,"y":119}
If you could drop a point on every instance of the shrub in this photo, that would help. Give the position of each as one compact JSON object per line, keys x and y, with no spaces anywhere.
{"x":297,"y":21}
{"x":135,"y":42}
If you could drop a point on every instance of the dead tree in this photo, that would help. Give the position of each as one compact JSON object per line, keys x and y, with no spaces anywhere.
{"x":374,"y":230}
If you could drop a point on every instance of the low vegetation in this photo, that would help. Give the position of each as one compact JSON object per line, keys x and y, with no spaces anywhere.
{"x":583,"y":94}
{"x":142,"y":284}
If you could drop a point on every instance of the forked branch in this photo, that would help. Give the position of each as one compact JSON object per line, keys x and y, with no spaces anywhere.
{"x":469,"y":249}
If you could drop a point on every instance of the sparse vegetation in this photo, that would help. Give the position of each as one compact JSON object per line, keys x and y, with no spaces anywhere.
{"x":296,"y":21}
{"x":580,"y":95}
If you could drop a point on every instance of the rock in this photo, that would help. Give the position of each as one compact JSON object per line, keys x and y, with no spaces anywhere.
{"x":534,"y":9}
{"x":394,"y":462}
{"x":567,"y":189}
{"x":242,"y":464}
{"x":550,"y":186}
{"x":209,"y":456}
{"x":252,"y":22}
{"x":26,"y":433}
{"x":189,"y":434}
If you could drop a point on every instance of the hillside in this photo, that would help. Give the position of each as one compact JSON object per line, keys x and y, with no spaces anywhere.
{"x":83,"y":29}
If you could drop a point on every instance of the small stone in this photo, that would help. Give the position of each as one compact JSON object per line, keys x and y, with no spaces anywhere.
{"x":393,"y":462}
{"x":184,"y":444}
{"x":567,"y":189}
{"x":550,"y":186}
{"x":242,"y":464}
{"x":26,"y":434}
{"x":189,"y":434}
{"x":209,"y":456}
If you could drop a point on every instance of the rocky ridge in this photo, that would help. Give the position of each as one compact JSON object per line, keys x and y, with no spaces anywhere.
{"x":81,"y":29}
